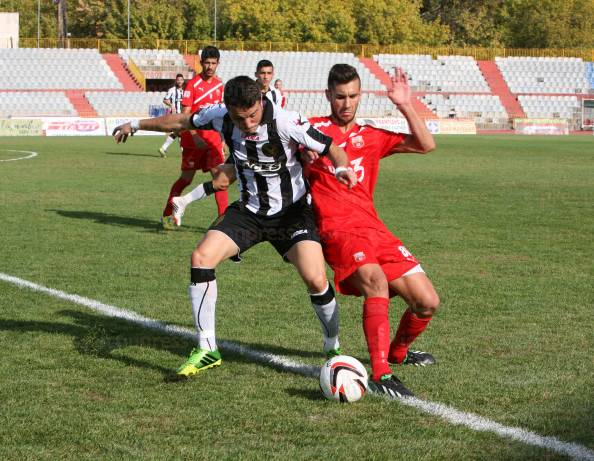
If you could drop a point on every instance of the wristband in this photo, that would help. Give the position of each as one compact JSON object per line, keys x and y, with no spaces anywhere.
{"x":135,"y":125}
{"x":340,"y":169}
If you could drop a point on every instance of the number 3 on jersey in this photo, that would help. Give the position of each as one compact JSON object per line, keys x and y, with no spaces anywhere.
{"x":358,"y":168}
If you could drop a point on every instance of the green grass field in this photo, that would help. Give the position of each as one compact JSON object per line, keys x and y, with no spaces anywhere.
{"x":502,"y":224}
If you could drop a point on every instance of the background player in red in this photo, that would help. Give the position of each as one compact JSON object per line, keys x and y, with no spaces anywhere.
{"x":200,"y":149}
{"x":367,"y":259}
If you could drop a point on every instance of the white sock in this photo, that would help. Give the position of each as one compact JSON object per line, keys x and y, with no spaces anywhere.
{"x":203,"y":295}
{"x":168,"y":141}
{"x":326,"y":308}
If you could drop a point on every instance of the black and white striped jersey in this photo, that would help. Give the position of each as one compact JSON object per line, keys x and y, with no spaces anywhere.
{"x":275,"y":96}
{"x":174,"y":96}
{"x":270,"y":176}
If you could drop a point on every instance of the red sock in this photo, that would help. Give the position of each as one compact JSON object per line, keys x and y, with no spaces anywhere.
{"x":410,"y":327}
{"x":222,"y":199}
{"x":176,"y":190}
{"x":376,"y":326}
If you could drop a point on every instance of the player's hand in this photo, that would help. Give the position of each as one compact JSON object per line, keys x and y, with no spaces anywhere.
{"x":121,"y":132}
{"x":309,"y":156}
{"x":400,"y":92}
{"x":348,"y":178}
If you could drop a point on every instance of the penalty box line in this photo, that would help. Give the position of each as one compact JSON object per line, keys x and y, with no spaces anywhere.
{"x":447,"y":413}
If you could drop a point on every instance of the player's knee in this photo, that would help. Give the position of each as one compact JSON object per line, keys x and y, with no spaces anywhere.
{"x":316,"y":282}
{"x":201,"y":259}
{"x":427,"y":305}
{"x":375,"y":284}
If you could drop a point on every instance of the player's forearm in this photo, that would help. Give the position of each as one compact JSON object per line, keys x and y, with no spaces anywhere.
{"x":423,"y":139}
{"x":166,"y":123}
{"x":338,"y":156}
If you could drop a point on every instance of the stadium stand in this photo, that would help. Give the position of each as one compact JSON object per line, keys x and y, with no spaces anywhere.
{"x":590,"y":74}
{"x":45,"y":69}
{"x":544,"y":75}
{"x":448,"y":74}
{"x":156,"y":63}
{"x":314,"y":104}
{"x":568,"y":107}
{"x":35,"y":103}
{"x":123,"y":104}
{"x":298,"y":70}
{"x":482,"y":109}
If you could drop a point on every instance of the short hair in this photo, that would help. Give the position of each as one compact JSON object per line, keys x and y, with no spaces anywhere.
{"x":242,"y":92}
{"x":210,"y":52}
{"x":341,"y":74}
{"x":263,"y":63}
{"x":180,"y":75}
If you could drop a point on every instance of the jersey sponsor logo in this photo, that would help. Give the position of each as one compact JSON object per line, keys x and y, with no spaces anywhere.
{"x":357,"y":142}
{"x":252,"y":137}
{"x":260,"y":167}
{"x":299,"y":232}
{"x":359,"y":256}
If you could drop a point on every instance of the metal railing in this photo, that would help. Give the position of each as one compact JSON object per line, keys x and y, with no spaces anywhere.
{"x":104,"y":45}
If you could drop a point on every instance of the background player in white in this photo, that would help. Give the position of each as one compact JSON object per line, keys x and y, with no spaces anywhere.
{"x":274,"y":204}
{"x":173,"y":100}
{"x":264,"y":76}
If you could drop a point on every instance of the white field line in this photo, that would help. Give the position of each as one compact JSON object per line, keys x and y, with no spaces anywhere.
{"x":31,"y":155}
{"x":449,"y":414}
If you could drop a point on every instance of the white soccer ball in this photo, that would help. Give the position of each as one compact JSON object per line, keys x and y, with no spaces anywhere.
{"x":343,"y":378}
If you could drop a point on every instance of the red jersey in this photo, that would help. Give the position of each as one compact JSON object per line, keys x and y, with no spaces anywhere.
{"x":198,"y":95}
{"x":337,"y":207}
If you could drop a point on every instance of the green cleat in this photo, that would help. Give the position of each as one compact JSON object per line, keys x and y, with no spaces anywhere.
{"x":167,"y":223}
{"x":199,"y":360}
{"x":333,"y":353}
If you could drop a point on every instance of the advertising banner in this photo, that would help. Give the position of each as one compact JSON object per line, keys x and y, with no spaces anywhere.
{"x":112,"y":122}
{"x":73,"y":126}
{"x":541,"y":126}
{"x":435,"y":126}
{"x":20,"y":127}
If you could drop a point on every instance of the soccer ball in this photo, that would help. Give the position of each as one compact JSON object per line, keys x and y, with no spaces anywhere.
{"x":343,"y":378}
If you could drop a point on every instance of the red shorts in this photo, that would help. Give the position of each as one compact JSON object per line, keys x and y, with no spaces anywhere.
{"x":346,"y":251}
{"x":201,"y":159}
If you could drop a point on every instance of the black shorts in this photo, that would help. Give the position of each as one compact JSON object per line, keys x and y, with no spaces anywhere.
{"x":246,"y":229}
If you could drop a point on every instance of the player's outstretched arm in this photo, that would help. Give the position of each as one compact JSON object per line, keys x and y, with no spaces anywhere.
{"x":344,"y":174}
{"x":420,"y":139}
{"x":165,"y":124}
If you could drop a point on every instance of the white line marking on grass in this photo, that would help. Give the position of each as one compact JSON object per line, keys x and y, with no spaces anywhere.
{"x":456,"y":417}
{"x":32,"y":154}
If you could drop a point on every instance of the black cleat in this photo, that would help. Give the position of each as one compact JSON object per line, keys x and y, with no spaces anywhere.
{"x":418,"y":359}
{"x":391,"y":386}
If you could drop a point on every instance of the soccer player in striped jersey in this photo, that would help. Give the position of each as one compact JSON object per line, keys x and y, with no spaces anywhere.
{"x":367,"y":259}
{"x":173,"y":100}
{"x":264,"y":77}
{"x":274,"y":206}
{"x":201,"y":150}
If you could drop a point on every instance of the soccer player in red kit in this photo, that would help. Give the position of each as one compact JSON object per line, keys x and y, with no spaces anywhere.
{"x":367,"y":259}
{"x":201,"y":150}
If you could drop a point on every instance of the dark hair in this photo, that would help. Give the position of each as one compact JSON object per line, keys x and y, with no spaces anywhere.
{"x":242,"y":92}
{"x":263,"y":63}
{"x":341,"y":74}
{"x":180,"y":75}
{"x":210,"y":52}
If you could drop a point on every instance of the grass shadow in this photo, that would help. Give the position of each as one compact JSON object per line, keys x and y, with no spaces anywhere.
{"x":129,"y":154}
{"x":123,"y":221}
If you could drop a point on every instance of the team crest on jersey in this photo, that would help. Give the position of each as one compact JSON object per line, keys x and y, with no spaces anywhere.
{"x":187,"y":94}
{"x":359,"y":256}
{"x":357,"y":142}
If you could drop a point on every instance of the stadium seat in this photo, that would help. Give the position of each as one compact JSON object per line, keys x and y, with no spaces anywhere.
{"x":40,"y":68}
{"x":35,"y":104}
{"x":124,"y":104}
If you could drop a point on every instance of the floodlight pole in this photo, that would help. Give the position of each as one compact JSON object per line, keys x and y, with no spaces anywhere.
{"x":215,"y":21}
{"x":128,"y":24}
{"x":38,"y":21}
